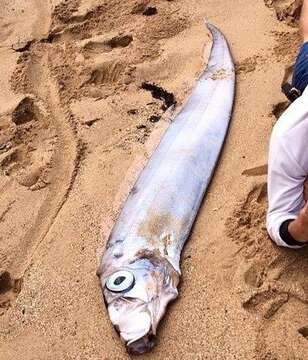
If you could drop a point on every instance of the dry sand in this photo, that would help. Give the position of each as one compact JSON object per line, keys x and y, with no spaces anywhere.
{"x":75,"y":129}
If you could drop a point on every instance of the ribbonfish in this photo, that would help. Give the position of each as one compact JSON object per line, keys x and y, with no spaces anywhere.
{"x":140,"y":269}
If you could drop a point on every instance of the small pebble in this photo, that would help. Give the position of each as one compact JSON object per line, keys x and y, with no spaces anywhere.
{"x":149,"y":11}
{"x":154,"y":118}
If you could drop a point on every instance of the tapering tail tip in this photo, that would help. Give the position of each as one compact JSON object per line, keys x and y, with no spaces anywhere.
{"x":217,"y":35}
{"x":213,"y":29}
{"x":209,"y":25}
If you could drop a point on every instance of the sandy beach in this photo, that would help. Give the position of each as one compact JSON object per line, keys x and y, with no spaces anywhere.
{"x":78,"y":123}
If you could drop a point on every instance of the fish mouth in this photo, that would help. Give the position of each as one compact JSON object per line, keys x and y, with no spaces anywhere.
{"x":142,"y":345}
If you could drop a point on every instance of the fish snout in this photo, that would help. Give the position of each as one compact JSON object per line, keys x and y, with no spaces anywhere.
{"x":141,"y":346}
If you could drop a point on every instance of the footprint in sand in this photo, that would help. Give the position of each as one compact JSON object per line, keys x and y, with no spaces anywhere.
{"x":9,"y":289}
{"x":102,"y":67}
{"x":286,"y":10}
{"x":27,"y":144}
{"x":107,"y":72}
{"x":275,"y":281}
{"x":102,"y":44}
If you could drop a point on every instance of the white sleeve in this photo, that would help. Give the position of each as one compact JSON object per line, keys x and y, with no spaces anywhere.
{"x":285,"y":182}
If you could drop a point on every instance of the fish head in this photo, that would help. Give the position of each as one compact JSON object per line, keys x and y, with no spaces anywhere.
{"x":137,"y":296}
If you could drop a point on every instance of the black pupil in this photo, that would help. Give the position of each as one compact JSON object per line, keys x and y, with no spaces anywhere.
{"x":119,"y":280}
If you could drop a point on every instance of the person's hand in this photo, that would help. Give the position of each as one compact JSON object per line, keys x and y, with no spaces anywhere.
{"x":299,"y":227}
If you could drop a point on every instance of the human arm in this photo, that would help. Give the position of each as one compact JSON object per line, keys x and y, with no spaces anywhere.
{"x":286,"y":178}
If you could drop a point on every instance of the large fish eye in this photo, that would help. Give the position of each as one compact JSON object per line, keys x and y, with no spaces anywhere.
{"x":120,"y":281}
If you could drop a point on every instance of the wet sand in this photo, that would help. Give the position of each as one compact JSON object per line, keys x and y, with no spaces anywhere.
{"x":76,"y":127}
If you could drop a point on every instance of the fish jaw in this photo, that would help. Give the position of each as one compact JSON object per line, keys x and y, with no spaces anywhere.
{"x":131,"y":320}
{"x":141,"y":346}
{"x":135,"y":331}
{"x":136,"y":313}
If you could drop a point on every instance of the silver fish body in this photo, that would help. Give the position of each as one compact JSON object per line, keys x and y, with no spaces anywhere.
{"x":140,"y":269}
